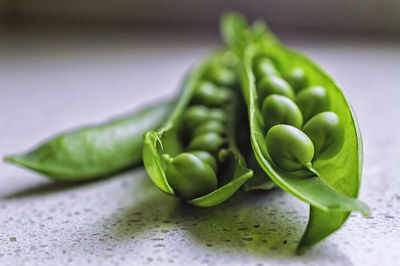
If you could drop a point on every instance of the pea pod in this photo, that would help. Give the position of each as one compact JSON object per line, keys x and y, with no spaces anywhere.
{"x":169,"y":142}
{"x":332,"y":185}
{"x":94,"y":151}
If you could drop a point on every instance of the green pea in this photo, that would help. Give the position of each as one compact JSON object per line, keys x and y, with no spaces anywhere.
{"x":210,"y":95}
{"x":215,"y":126}
{"x":274,"y":85}
{"x":190,"y":177}
{"x":290,"y":149}
{"x":297,"y":78}
{"x":312,"y":101}
{"x":206,"y":157}
{"x":221,"y":76}
{"x":278,"y":109}
{"x":327,"y":134}
{"x":229,"y":60}
{"x":264,"y":66}
{"x":210,"y":142}
{"x":217,"y":114}
{"x":196,"y":114}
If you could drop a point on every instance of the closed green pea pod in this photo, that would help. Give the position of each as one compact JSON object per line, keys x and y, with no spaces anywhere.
{"x":221,"y":76}
{"x":210,"y":95}
{"x":215,"y":126}
{"x":327,"y":134}
{"x":195,"y":114}
{"x":290,"y":149}
{"x":96,"y":151}
{"x":278,"y":109}
{"x":312,"y":101}
{"x":207,"y":158}
{"x":297,"y":78}
{"x":210,"y":142}
{"x":264,"y":66}
{"x":189,"y":176}
{"x":273,"y":85}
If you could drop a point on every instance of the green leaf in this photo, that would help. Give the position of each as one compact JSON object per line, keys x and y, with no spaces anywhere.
{"x":167,"y":140}
{"x":94,"y":151}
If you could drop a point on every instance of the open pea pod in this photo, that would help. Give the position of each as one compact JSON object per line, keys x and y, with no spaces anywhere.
{"x":173,"y":137}
{"x":331,"y":185}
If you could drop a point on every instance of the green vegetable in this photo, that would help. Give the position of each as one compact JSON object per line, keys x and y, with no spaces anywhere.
{"x":215,"y":126}
{"x":209,"y":141}
{"x":222,"y":76}
{"x":94,"y":151}
{"x":196,"y":114}
{"x":268,"y":85}
{"x":178,"y":135}
{"x":289,"y":148}
{"x":312,"y":101}
{"x":264,"y":66}
{"x":297,"y":78}
{"x":277,"y":109}
{"x":190,"y":176}
{"x":209,"y":94}
{"x":326,"y":133}
{"x":332,"y":190}
{"x":206,"y":157}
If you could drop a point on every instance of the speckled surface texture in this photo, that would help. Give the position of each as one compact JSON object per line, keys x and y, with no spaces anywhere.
{"x":52,"y":84}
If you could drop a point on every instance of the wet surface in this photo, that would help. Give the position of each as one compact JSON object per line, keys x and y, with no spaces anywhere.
{"x":125,"y":220}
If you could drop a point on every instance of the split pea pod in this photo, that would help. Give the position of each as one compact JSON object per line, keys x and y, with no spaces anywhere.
{"x":94,"y":151}
{"x":319,"y":162}
{"x":194,"y":155}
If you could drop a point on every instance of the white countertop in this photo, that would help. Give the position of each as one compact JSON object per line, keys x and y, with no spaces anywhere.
{"x":52,"y":83}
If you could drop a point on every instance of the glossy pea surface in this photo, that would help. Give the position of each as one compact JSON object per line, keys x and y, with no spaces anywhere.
{"x":278,"y":109}
{"x":210,"y":142}
{"x":297,"y":79}
{"x":312,"y":101}
{"x":206,"y":157}
{"x":221,"y":76}
{"x":290,"y":149}
{"x":211,"y":95}
{"x":217,"y":114}
{"x":327,"y":134}
{"x":190,"y":177}
{"x":214,"y":125}
{"x":195,"y":114}
{"x":272,"y":84}
{"x":264,"y":66}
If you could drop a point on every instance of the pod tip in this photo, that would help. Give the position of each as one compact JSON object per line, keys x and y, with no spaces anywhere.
{"x":11,"y":159}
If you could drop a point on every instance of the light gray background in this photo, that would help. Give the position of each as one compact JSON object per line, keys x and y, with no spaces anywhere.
{"x":52,"y":81}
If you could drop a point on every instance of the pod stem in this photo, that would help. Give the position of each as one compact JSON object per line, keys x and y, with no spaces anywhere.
{"x":309,"y":167}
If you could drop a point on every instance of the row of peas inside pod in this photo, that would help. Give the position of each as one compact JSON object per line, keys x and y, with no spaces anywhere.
{"x":204,"y":131}
{"x":299,"y":126}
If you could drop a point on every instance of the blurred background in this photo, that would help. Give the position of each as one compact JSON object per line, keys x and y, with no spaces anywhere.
{"x":64,"y":64}
{"x":373,"y":16}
